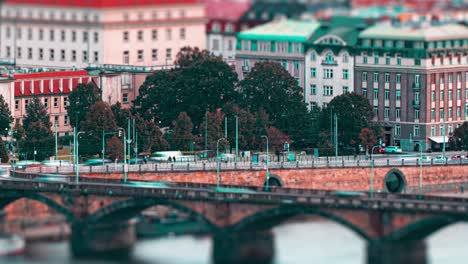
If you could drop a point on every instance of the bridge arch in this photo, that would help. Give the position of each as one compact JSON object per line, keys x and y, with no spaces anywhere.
{"x":126,"y":209}
{"x":423,"y":228}
{"x":276,"y":216}
{"x":8,"y":198}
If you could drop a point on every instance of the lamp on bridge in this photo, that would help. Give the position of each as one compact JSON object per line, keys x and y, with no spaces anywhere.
{"x":217,"y":161}
{"x":372,"y":168}
{"x":267,"y":178}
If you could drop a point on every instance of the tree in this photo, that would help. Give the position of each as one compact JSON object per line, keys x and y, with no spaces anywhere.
{"x":188,"y":55}
{"x":121,"y":115}
{"x":150,"y":137}
{"x":80,"y":101}
{"x":114,"y":148}
{"x":207,"y":84}
{"x":98,"y":119}
{"x":367,"y":138}
{"x":276,"y":139}
{"x":215,"y":129}
{"x":182,"y":137}
{"x":4,"y":157}
{"x":38,"y":140}
{"x":460,"y":136}
{"x":271,"y":88}
{"x":5,"y":117}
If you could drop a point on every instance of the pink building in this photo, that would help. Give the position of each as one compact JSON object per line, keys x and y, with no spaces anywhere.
{"x":67,"y":33}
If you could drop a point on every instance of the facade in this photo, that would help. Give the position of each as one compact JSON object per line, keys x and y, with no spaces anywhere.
{"x":416,"y":78}
{"x":223,"y":25}
{"x":52,"y":88}
{"x":329,"y":59}
{"x":65,"y":34}
{"x":282,"y":41}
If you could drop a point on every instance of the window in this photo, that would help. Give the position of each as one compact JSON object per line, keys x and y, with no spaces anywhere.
{"x":364,"y":76}
{"x":398,"y":60}
{"x":41,"y":34}
{"x":345,"y":89}
{"x":65,"y":101}
{"x":41,"y":54}
{"x":313,"y":89}
{"x":364,"y":59}
{"x":458,"y":78}
{"x":398,"y":95}
{"x":73,"y":55}
{"x":441,"y":113}
{"x":140,"y":55}
{"x":215,"y":45}
{"x":450,"y":78}
{"x":51,"y":54}
{"x":26,"y":103}
{"x":364,"y":92}
{"x":416,"y":130}
{"x":417,"y":62}
{"x":376,"y":76}
{"x":126,"y":57}
{"x":387,"y":60}
{"x":398,"y":112}
{"x":55,"y":102}
{"x":140,"y":35}
{"x":96,"y":37}
{"x":329,"y":57}
{"x":216,"y":27}
{"x":52,"y":35}
{"x":328,"y":90}
{"x":229,"y":28}
{"x":398,"y":78}
{"x":125,"y":36}
{"x":313,"y":56}
{"x":376,"y":94}
{"x":416,"y":114}
{"x":230,"y":46}
{"x":397,"y":130}
{"x":168,"y":53}
{"x":96,"y":56}
{"x":19,"y":53}
{"x":387,"y":94}
{"x":376,"y":110}
{"x":387,"y":112}
{"x":74,"y":36}
{"x":433,"y":131}
{"x":376,"y":58}
{"x":62,"y":55}
{"x":441,"y":95}
{"x":432,"y":96}
{"x":450,"y":112}
{"x":154,"y":34}
{"x":85,"y":56}
{"x":387,"y":77}
{"x":450,"y":95}
{"x":450,"y":129}
{"x":442,"y":130}
{"x":16,"y":104}
{"x":345,"y":58}
{"x":30,"y":53}
{"x":125,"y":97}
{"x":416,"y":80}
{"x":328,"y":73}
{"x":345,"y":74}
{"x":182,"y":33}
{"x":56,"y":120}
{"x":30,"y":34}
{"x":168,"y":34}
{"x":65,"y":120}
{"x":432,"y":113}
{"x":458,"y":111}
{"x":416,"y":98}
{"x":296,"y":66}
{"x":154,"y":54}
{"x":62,"y":35}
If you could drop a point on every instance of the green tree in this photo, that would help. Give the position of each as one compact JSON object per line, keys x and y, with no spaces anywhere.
{"x":38,"y":138}
{"x":114,"y":148}
{"x":99,"y":118}
{"x":80,"y":101}
{"x":4,"y":157}
{"x":367,"y":138}
{"x":5,"y":117}
{"x":150,"y":137}
{"x":181,"y":137}
{"x":271,"y":88}
{"x":460,"y":137}
{"x":204,"y":84}
{"x":189,"y":55}
{"x":121,"y":115}
{"x":215,"y":129}
{"x":276,"y":139}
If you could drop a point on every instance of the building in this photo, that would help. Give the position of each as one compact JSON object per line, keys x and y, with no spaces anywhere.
{"x":65,"y":33}
{"x":415,"y":77}
{"x":223,"y":26}
{"x":282,"y":41}
{"x":52,"y":88}
{"x":329,"y":59}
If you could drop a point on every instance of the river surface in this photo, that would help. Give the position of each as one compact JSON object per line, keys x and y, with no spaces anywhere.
{"x":312,"y":242}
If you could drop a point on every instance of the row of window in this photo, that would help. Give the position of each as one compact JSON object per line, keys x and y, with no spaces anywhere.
{"x":327,"y":90}
{"x":416,"y":130}
{"x":450,"y":95}
{"x":378,"y":43}
{"x":53,"y":35}
{"x":216,"y":47}
{"x":328,"y":73}
{"x":228,"y":28}
{"x":141,"y":55}
{"x":416,"y":78}
{"x":417,"y":111}
{"x":329,"y":58}
{"x":270,"y":46}
{"x":45,"y":102}
{"x":140,"y":34}
{"x":51,"y":54}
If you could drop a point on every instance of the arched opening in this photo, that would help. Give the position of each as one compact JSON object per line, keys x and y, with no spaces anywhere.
{"x":395,"y":181}
{"x":274,"y":181}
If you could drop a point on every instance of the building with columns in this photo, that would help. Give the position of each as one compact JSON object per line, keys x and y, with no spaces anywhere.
{"x":415,"y":76}
{"x":68,"y":33}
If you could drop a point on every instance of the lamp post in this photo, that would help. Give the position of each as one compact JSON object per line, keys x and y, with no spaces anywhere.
{"x":372,"y":171}
{"x":124,"y":152}
{"x":420,"y":171}
{"x":77,"y":155}
{"x":217,"y":161}
{"x":267,"y":158}
{"x":56,"y":142}
{"x":104,"y":134}
{"x":237,"y":137}
{"x":443,"y":140}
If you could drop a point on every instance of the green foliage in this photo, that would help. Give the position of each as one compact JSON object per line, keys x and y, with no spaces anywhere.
{"x":36,"y":112}
{"x":4,"y":157}
{"x":5,"y":117}
{"x":460,"y":137}
{"x":114,"y":148}
{"x":188,"y":56}
{"x":181,"y":137}
{"x":80,"y":101}
{"x":150,"y":137}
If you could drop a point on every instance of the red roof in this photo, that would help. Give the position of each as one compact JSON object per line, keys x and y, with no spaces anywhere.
{"x":225,"y":9}
{"x":75,"y":82}
{"x":37,"y":87}
{"x":65,"y":86}
{"x":46,"y":86}
{"x":56,"y":74}
{"x":101,"y":3}
{"x":17,"y":88}
{"x":27,"y":88}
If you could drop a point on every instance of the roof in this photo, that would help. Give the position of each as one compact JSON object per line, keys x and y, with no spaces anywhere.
{"x":439,"y":139}
{"x":225,"y":9}
{"x":346,"y":28}
{"x":282,"y":30}
{"x":428,"y":33}
{"x":266,"y":11}
{"x":52,"y":74}
{"x":100,"y":3}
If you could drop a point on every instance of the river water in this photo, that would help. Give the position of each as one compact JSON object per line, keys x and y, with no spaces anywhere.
{"x":311,"y":242}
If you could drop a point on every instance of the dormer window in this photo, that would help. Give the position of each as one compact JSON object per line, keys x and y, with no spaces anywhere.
{"x":229,"y":28}
{"x":329,"y":57}
{"x":216,"y":27}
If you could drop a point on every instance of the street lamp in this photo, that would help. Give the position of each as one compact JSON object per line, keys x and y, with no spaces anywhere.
{"x":372,"y":169}
{"x":217,"y":161}
{"x":125,"y":152}
{"x":77,"y":155}
{"x":267,"y":159}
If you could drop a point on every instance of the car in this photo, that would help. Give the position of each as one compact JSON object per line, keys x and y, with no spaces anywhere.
{"x":225,"y":157}
{"x":393,"y":149}
{"x":56,"y":163}
{"x":97,"y":162}
{"x":23,"y":164}
{"x":3,"y":172}
{"x":439,"y":159}
{"x":382,"y":150}
{"x":426,"y":159}
{"x":458,"y":157}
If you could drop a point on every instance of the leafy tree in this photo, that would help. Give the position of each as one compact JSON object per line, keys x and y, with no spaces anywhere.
{"x":215,"y":129}
{"x":246,"y":126}
{"x":460,"y":137}
{"x":188,"y":55}
{"x":80,"y":101}
{"x":271,"y":88}
{"x":37,"y":134}
{"x":114,"y":148}
{"x":99,"y":118}
{"x":5,"y":117}
{"x":150,"y":137}
{"x":121,"y":115}
{"x":206,"y":84}
{"x":181,"y":137}
{"x":276,"y":139}
{"x":367,"y":138}
{"x":4,"y":157}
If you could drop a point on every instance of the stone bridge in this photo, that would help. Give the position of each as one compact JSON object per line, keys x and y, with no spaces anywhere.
{"x":99,"y":213}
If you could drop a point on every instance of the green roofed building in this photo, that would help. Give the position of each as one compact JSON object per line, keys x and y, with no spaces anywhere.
{"x":415,"y":76}
{"x":282,"y":41}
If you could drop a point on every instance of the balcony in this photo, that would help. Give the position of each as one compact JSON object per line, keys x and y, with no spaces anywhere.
{"x":416,"y":103}
{"x":329,"y":62}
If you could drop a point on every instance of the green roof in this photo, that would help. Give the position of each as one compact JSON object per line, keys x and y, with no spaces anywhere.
{"x":284,"y":30}
{"x":346,"y":28}
{"x":424,"y":33}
